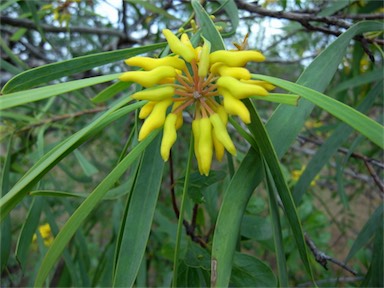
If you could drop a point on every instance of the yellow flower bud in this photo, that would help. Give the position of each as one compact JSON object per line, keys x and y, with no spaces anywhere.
{"x":204,"y":59}
{"x":219,"y":148}
{"x":223,"y":114}
{"x":179,"y":48}
{"x":157,"y":93}
{"x":234,"y":106}
{"x":146,"y":109}
{"x":235,"y":72}
{"x":205,"y":145}
{"x":179,"y":121}
{"x":236,"y":58}
{"x":148,"y":63}
{"x":196,"y":139}
{"x":149,"y":78}
{"x":239,"y":89}
{"x":263,"y":84}
{"x":169,"y":135}
{"x":155,"y":119}
{"x":221,"y":133}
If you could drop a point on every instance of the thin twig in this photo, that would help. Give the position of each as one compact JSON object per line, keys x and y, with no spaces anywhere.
{"x":25,"y":23}
{"x":189,"y":228}
{"x":304,"y":19}
{"x":323,"y":258}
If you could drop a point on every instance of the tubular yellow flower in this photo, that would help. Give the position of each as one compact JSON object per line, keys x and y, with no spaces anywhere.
{"x":219,"y":148}
{"x":265,"y":85}
{"x":235,"y":72}
{"x":155,"y":119}
{"x":179,"y":48}
{"x":196,"y":138}
{"x":157,"y":93}
{"x":221,"y":133}
{"x":239,"y":89}
{"x":169,"y":135}
{"x":149,"y":78}
{"x":212,"y":83}
{"x":205,"y":145}
{"x":204,"y":59}
{"x":148,"y":63}
{"x":236,"y":58}
{"x":234,"y":106}
{"x":146,"y":109}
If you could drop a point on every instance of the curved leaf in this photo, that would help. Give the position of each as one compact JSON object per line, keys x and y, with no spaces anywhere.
{"x":366,"y":126}
{"x":81,"y":213}
{"x":46,"y":73}
{"x":316,"y":76}
{"x":24,"y":97}
{"x":138,"y":222}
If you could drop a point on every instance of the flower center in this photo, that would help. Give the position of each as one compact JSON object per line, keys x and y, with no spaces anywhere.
{"x":194,"y":89}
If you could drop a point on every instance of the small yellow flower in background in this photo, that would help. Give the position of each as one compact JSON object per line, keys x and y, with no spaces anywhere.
{"x":313,"y":124}
{"x":296,"y":174}
{"x":212,"y":82}
{"x":45,"y":233}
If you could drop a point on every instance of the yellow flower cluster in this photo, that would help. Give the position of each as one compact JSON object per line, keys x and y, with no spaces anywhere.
{"x":46,"y":234}
{"x":195,"y":77}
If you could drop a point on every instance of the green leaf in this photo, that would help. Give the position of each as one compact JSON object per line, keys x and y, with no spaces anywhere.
{"x":81,"y":213}
{"x":5,"y":226}
{"x":138,"y":222}
{"x":207,"y":27}
{"x":316,"y":76}
{"x":366,"y":126}
{"x":28,"y":229}
{"x":329,"y":147}
{"x":49,"y":72}
{"x":288,"y":99}
{"x":24,"y":97}
{"x":111,"y":91}
{"x":231,"y":10}
{"x":256,"y":227}
{"x":264,"y":143}
{"x":277,"y":231}
{"x":180,"y":221}
{"x":249,"y":271}
{"x":374,"y":276}
{"x":50,"y":159}
{"x":88,"y":168}
{"x":371,"y":226}
{"x":357,"y":81}
{"x":230,"y":216}
{"x":198,"y":182}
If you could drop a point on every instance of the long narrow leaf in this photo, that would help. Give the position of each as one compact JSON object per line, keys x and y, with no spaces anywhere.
{"x":207,"y":27}
{"x":329,"y":147}
{"x":89,"y":204}
{"x":277,"y":231}
{"x":316,"y":76}
{"x":34,"y":174}
{"x":24,"y":97}
{"x":230,"y":215}
{"x":49,"y":72}
{"x":366,"y":126}
{"x":139,"y":218}
{"x":261,"y":136}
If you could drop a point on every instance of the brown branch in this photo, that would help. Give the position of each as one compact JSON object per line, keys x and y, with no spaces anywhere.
{"x":59,"y":118}
{"x":322,"y":258}
{"x":189,"y":228}
{"x":305,"y":19}
{"x":25,"y":23}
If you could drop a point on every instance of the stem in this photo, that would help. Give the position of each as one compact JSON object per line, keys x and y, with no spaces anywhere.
{"x":182,"y":208}
{"x":172,"y":179}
